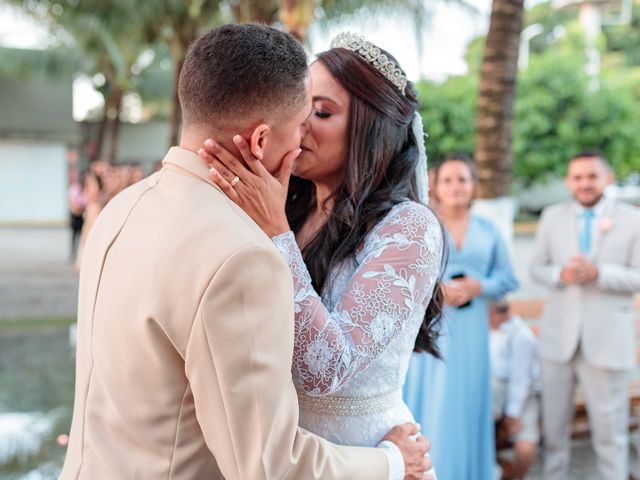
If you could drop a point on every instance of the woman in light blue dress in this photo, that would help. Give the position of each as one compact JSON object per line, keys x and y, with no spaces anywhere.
{"x":451,"y":398}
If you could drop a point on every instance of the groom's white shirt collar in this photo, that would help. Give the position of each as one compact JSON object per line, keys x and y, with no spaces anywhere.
{"x":598,"y":209}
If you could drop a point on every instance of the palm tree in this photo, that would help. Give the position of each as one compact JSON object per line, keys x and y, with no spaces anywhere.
{"x":296,"y":16}
{"x":115,"y":44}
{"x":252,"y":11}
{"x":493,"y":153}
{"x":177,"y":23}
{"x":107,"y":42}
{"x":112,"y":34}
{"x":180,"y":22}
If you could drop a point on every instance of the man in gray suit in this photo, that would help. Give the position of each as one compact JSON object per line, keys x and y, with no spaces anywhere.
{"x":587,"y":252}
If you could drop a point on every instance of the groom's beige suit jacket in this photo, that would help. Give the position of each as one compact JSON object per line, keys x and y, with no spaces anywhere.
{"x":185,"y":342}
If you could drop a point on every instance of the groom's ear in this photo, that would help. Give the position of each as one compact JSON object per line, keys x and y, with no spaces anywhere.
{"x":259,"y":139}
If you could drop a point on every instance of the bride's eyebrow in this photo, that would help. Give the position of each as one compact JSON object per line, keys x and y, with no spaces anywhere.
{"x":319,"y":98}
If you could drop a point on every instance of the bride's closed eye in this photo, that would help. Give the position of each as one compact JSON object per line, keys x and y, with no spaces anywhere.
{"x":321,"y":114}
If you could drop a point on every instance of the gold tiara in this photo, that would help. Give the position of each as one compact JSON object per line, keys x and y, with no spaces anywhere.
{"x":373,"y":55}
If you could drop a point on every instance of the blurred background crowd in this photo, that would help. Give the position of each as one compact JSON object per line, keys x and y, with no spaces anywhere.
{"x":89,"y":192}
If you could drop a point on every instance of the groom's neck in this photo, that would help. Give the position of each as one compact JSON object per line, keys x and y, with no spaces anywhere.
{"x":193,"y":139}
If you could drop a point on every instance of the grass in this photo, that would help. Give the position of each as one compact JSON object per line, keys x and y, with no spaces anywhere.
{"x":34,"y":323}
{"x":37,"y":376}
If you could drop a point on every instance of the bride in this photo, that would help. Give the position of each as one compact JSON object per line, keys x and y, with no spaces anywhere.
{"x":364,"y":250}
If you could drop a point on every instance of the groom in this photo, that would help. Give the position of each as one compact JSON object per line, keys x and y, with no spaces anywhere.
{"x":185,"y":315}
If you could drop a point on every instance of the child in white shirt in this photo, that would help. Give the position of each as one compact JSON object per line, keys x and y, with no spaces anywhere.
{"x":515,"y":374}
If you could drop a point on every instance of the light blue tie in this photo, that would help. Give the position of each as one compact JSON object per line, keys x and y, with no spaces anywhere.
{"x":585,"y":238}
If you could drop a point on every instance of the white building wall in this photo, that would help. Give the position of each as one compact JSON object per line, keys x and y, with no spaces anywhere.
{"x":33,"y":182}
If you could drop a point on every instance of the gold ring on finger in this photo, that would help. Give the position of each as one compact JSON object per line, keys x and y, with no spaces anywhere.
{"x":235,"y":181}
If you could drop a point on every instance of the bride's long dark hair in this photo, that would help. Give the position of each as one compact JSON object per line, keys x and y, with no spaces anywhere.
{"x":379,"y":172}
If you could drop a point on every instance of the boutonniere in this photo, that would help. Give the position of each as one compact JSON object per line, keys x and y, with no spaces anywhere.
{"x":605,"y":224}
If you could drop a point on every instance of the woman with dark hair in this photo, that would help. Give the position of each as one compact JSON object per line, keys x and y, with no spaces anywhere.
{"x":452,"y":396}
{"x":365,"y":251}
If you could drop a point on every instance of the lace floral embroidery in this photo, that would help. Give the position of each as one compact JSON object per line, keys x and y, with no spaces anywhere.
{"x":399,"y":265}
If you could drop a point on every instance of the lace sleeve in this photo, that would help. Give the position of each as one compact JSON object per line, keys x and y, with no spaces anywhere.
{"x":401,"y":264}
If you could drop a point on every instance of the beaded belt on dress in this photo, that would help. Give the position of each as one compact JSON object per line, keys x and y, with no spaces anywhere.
{"x":349,"y":406}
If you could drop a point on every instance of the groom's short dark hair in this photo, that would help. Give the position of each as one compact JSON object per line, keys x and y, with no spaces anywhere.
{"x":236,"y":70}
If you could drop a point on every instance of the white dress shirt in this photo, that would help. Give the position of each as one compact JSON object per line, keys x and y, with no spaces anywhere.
{"x":396,"y":460}
{"x":514,"y":360}
{"x":598,"y":211}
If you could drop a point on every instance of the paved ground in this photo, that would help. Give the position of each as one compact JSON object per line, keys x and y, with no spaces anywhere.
{"x":37,"y":280}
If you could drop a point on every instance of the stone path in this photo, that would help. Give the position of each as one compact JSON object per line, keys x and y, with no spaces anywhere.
{"x":37,"y":280}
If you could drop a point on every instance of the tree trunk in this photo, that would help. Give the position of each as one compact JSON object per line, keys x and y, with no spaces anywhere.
{"x":248,"y":11}
{"x":102,"y":129}
{"x":114,"y":124}
{"x":494,"y":154}
{"x":107,"y":93}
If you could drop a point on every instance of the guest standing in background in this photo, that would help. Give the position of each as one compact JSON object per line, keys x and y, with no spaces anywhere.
{"x":77,"y":204}
{"x":451,"y":398}
{"x":137,"y":172}
{"x":94,"y":195}
{"x":587,"y":252}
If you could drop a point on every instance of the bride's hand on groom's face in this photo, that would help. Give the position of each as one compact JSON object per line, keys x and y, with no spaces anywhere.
{"x":248,"y":183}
{"x":413,"y":450}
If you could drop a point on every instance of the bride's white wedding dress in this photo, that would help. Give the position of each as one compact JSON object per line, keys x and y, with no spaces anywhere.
{"x":352,"y":345}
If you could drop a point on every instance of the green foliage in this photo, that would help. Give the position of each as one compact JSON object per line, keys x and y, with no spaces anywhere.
{"x":552,"y":21}
{"x":56,"y":63}
{"x":419,"y":11}
{"x":36,"y":375}
{"x":474,"y":54}
{"x":557,"y":113}
{"x":623,"y":41}
{"x":613,"y":120}
{"x":448,"y":114}
{"x":558,"y":110}
{"x":155,"y":84}
{"x":549,"y":109}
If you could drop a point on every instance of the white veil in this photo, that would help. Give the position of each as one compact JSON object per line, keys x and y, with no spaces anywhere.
{"x":421,"y":167}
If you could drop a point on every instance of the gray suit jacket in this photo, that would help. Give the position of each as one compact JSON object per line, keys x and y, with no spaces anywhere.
{"x":599,"y":317}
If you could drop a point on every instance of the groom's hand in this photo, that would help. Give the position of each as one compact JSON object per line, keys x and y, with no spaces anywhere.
{"x":413,"y":450}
